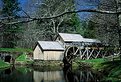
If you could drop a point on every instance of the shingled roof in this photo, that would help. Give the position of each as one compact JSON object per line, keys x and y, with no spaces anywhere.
{"x":76,"y":38}
{"x":70,"y":37}
{"x":50,"y":45}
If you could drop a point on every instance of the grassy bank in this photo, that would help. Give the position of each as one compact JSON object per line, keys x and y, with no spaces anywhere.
{"x":93,"y":63}
{"x":110,"y":69}
{"x":17,"y":54}
{"x":23,"y":60}
{"x":15,"y":50}
{"x":4,"y":64}
{"x":47,"y":63}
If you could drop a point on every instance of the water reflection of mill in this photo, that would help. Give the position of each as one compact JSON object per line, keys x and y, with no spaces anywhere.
{"x":85,"y":75}
{"x":48,"y":76}
{"x":65,"y":75}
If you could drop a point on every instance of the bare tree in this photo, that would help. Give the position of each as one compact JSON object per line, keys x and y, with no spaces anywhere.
{"x":51,"y":8}
{"x":40,"y":27}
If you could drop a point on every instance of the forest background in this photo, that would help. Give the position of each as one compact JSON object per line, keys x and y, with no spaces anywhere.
{"x":21,"y":26}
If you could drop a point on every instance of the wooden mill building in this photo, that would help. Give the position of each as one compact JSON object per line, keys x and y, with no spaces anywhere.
{"x":67,"y":39}
{"x":54,"y":50}
{"x":48,"y":50}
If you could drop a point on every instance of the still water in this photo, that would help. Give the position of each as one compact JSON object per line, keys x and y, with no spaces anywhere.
{"x":24,"y":74}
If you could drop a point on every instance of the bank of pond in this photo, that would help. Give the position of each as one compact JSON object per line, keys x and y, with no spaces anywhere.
{"x":102,"y":69}
{"x":4,"y":64}
{"x":109,"y":69}
{"x":95,"y":70}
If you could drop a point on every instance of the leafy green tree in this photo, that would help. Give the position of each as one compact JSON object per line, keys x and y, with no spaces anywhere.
{"x":10,"y":7}
{"x":84,"y":28}
{"x":106,"y":25}
{"x":9,"y":33}
{"x":90,"y":30}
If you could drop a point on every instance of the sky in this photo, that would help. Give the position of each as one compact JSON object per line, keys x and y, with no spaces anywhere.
{"x":0,"y":4}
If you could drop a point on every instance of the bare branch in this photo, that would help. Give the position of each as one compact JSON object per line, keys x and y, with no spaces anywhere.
{"x":85,"y":10}
{"x":64,"y":13}
{"x":25,"y":21}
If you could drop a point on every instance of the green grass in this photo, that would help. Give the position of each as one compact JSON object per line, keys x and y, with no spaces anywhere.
{"x":113,"y":68}
{"x":15,"y":50}
{"x":91,"y":63}
{"x":95,"y":63}
{"x":98,"y":60}
{"x":4,"y":64}
{"x":22,"y":57}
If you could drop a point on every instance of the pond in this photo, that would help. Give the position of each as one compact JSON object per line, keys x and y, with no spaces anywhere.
{"x":24,"y":74}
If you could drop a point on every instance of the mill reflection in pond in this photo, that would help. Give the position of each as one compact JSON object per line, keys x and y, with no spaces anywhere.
{"x":48,"y":76}
{"x":30,"y":75}
{"x":84,"y":75}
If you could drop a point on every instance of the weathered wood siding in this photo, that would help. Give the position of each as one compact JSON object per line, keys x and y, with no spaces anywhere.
{"x":47,"y":55}
{"x":38,"y":54}
{"x":53,"y":55}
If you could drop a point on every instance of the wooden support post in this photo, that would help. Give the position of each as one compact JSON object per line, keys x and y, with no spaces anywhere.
{"x":90,"y":54}
{"x":87,"y":53}
{"x":97,"y":54}
{"x":83,"y":53}
{"x":104,"y":54}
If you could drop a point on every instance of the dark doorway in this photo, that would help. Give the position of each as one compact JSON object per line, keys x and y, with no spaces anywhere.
{"x":7,"y":58}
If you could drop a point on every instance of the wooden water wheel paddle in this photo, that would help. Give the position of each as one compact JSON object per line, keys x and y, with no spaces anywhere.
{"x":70,"y":53}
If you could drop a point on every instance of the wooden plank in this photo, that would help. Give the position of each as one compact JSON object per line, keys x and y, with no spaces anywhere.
{"x":97,"y":54}
{"x":90,"y":54}
{"x":83,"y":53}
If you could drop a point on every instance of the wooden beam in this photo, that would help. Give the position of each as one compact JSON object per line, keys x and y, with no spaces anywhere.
{"x":90,"y":54}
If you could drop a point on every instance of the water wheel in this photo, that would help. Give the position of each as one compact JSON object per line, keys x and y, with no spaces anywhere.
{"x":70,"y":53}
